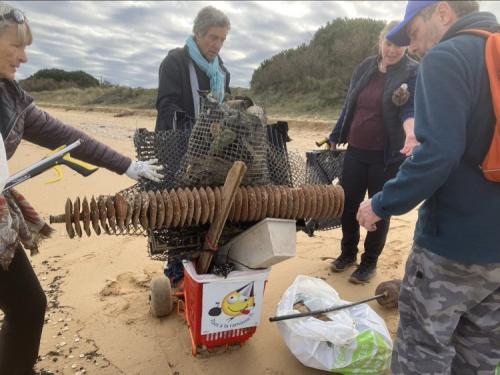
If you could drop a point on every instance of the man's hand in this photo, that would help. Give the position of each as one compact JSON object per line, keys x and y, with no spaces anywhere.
{"x":333,"y":146}
{"x":410,"y":140}
{"x":366,"y":217}
{"x":146,"y":169}
{"x":410,"y":143}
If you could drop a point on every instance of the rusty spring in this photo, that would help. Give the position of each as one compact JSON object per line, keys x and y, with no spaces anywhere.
{"x":185,"y":207}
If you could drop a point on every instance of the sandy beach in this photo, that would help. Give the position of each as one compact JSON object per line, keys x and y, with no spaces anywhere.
{"x":98,"y":319}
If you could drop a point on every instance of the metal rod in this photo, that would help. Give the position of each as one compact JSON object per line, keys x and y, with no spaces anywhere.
{"x":329,"y":309}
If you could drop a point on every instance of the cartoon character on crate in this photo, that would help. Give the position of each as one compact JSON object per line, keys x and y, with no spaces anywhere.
{"x":236,"y":303}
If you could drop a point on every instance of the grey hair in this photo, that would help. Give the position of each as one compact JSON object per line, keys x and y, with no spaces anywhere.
{"x":23,"y":30}
{"x":461,"y":8}
{"x":209,"y":17}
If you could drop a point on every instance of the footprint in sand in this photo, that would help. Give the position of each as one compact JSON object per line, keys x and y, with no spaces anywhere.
{"x":89,"y":256}
{"x":125,"y":283}
{"x":125,"y":292}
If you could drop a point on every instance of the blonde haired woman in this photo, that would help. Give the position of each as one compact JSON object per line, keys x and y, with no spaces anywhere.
{"x":21,"y":297}
{"x":377,"y":124}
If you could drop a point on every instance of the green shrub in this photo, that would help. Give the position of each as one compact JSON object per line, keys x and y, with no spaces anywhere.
{"x":321,"y":69}
{"x":56,"y":79}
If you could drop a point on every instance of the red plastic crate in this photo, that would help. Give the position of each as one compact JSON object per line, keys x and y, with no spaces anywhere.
{"x":193,"y":296}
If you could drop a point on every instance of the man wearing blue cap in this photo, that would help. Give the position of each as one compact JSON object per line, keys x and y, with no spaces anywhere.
{"x":450,"y":297}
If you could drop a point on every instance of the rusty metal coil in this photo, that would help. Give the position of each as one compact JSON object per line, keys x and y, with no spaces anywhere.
{"x":186,"y":207}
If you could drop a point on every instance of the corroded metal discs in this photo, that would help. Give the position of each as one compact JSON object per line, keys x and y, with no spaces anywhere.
{"x":190,"y":209}
{"x":160,"y":210}
{"x":244,"y":204}
{"x":69,"y":218}
{"x":185,"y":207}
{"x":197,"y":207}
{"x":86,"y":216}
{"x":153,"y":209}
{"x":176,"y":209}
{"x":205,"y":210}
{"x":76,"y":217}
{"x":252,"y":204}
{"x":211,"y":203}
{"x":94,"y":215}
{"x":169,"y":209}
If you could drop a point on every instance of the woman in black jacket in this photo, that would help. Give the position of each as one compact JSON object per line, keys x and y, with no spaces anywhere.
{"x":195,"y":67}
{"x":22,"y":299}
{"x":377,"y":124}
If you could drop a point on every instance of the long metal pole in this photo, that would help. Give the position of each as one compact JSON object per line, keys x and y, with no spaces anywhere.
{"x":329,"y":309}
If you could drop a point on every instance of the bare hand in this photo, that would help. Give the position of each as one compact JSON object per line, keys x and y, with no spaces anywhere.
{"x":410,"y":143}
{"x":333,"y":146}
{"x":366,"y":217}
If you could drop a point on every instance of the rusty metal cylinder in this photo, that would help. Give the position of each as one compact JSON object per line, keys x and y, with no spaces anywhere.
{"x":187,"y":207}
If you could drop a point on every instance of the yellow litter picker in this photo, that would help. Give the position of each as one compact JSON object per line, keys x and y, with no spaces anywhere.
{"x":58,"y":157}
{"x":85,"y":169}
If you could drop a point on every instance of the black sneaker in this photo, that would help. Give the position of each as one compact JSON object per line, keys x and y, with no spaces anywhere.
{"x":342,"y":263}
{"x":364,"y":273}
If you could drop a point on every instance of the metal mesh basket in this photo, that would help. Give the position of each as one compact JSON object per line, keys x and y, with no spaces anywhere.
{"x":221,"y":136}
{"x":323,"y":167}
{"x":201,"y":156}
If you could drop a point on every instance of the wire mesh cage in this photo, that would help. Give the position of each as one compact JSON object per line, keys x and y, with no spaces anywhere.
{"x":323,"y":167}
{"x":221,"y":136}
{"x":202,"y":156}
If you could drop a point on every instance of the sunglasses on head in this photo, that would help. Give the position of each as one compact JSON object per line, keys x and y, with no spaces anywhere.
{"x":15,"y":15}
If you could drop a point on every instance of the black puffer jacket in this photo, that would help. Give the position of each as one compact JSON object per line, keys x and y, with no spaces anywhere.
{"x":174,"y":90}
{"x":20,"y":119}
{"x":405,"y":71}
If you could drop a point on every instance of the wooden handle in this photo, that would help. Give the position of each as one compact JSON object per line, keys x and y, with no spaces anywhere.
{"x":233,"y":181}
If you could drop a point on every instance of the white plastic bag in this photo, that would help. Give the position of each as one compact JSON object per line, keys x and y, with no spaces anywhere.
{"x":355,"y":341}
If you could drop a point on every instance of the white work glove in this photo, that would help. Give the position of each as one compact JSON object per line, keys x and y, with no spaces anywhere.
{"x":146,"y":169}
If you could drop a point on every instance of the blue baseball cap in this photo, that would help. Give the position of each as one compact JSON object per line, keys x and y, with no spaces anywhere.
{"x":398,"y":35}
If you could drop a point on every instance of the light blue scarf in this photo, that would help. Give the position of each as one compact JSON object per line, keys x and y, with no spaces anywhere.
{"x":212,"y":69}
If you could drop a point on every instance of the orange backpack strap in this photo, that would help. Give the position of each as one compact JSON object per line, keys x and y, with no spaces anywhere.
{"x":492,"y":60}
{"x":479,"y":32}
{"x":491,"y":163}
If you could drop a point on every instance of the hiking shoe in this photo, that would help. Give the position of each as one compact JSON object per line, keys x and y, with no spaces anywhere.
{"x":342,"y":263}
{"x":364,"y":273}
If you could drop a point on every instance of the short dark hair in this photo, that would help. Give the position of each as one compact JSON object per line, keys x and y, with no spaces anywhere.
{"x":209,"y":17}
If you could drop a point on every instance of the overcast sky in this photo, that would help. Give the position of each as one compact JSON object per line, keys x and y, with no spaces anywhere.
{"x":124,"y":42}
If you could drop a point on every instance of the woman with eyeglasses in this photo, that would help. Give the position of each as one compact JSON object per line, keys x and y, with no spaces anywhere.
{"x":21,"y":297}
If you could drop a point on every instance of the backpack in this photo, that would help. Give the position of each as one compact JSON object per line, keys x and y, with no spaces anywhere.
{"x":491,"y":162}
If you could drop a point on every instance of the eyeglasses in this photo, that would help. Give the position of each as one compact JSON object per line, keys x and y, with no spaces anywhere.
{"x":15,"y":15}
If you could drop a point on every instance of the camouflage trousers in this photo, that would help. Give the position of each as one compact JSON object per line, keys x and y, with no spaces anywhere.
{"x":449,"y":317}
